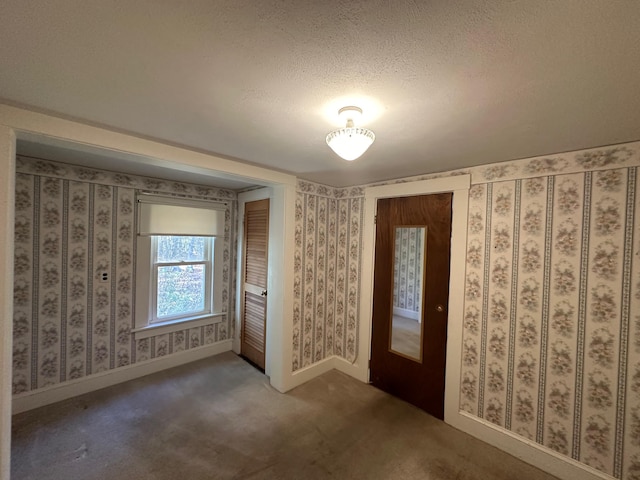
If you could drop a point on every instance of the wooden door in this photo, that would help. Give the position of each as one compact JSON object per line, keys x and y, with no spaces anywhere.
{"x":419,"y":378}
{"x":254,"y":291}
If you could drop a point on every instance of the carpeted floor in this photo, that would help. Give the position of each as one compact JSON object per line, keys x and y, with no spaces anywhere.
{"x":220,"y":419}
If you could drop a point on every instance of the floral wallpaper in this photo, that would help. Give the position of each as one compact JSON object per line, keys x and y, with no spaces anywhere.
{"x":551,"y":329}
{"x":328,"y":236}
{"x":407,"y":269}
{"x":551,"y":347}
{"x":72,"y":225}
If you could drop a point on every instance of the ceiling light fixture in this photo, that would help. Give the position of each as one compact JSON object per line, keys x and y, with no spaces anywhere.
{"x":350,"y":142}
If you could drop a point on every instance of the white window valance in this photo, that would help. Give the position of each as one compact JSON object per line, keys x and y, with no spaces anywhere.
{"x":158,"y":215}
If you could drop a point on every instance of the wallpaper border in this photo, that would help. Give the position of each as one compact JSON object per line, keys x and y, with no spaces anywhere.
{"x":306,"y":186}
{"x":575,"y":161}
{"x":67,"y":171}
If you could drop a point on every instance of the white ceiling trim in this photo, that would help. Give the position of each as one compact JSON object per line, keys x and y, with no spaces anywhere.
{"x":146,"y":151}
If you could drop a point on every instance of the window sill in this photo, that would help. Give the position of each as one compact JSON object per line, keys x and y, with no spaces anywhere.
{"x":176,"y":325}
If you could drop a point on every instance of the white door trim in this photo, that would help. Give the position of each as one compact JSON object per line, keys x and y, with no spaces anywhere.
{"x":7,"y":201}
{"x":243,"y":199}
{"x":459,"y":186}
{"x":279,"y":306}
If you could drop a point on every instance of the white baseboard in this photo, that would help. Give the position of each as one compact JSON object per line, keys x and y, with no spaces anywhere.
{"x":354,"y":370}
{"x":55,"y":393}
{"x":403,"y":312}
{"x":236,"y":346}
{"x":334,"y":362}
{"x":526,"y":450}
{"x":530,"y":452}
{"x":307,"y":373}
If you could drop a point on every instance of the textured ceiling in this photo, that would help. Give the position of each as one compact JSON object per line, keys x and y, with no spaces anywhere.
{"x":443,"y":84}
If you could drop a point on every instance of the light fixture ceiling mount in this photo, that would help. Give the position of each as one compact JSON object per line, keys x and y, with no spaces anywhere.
{"x":350,"y":142}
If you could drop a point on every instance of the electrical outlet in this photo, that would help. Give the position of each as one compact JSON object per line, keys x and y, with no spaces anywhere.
{"x":104,"y":276}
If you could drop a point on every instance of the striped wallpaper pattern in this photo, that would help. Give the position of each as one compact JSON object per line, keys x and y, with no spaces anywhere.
{"x":552,"y":307}
{"x":72,"y":225}
{"x":551,"y":325}
{"x":327,"y":257}
{"x":407,"y":268}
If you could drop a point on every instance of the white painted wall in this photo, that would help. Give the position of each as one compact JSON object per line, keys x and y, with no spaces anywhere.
{"x":148,"y":151}
{"x":7,"y":200}
{"x":280,"y":286}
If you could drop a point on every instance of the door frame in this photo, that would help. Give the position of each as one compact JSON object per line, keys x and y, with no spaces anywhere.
{"x":278,"y":349}
{"x":458,"y":185}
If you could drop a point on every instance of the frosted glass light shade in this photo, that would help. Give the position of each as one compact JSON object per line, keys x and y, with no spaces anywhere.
{"x":350,"y":142}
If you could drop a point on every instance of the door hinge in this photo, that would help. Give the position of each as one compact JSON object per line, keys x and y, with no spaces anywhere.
{"x":375,"y":219}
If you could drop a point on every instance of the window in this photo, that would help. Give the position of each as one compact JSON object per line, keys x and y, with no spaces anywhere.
{"x":182,"y":280}
{"x":178,"y":265}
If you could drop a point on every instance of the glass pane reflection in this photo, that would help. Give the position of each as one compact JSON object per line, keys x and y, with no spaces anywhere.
{"x":408,"y":278}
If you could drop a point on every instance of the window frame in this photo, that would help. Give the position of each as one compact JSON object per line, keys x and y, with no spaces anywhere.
{"x":146,"y":324}
{"x":208,"y":278}
{"x":144,"y":327}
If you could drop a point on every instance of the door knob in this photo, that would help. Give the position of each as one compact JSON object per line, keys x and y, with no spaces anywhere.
{"x":439,"y":308}
{"x":263,"y":293}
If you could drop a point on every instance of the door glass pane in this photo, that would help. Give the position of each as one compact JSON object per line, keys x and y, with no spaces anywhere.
{"x":408,"y":279}
{"x":181,"y":290}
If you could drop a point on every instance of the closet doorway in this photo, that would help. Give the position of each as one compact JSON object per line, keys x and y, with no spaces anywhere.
{"x":254,"y":282}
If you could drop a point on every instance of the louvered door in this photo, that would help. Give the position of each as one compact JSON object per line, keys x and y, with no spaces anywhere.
{"x":254,"y":304}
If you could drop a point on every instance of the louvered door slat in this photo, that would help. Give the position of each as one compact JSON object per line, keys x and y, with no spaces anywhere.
{"x":256,"y":246}
{"x":254,"y":326}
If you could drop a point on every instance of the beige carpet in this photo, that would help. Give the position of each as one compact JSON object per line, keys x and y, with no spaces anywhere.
{"x":219,"y":419}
